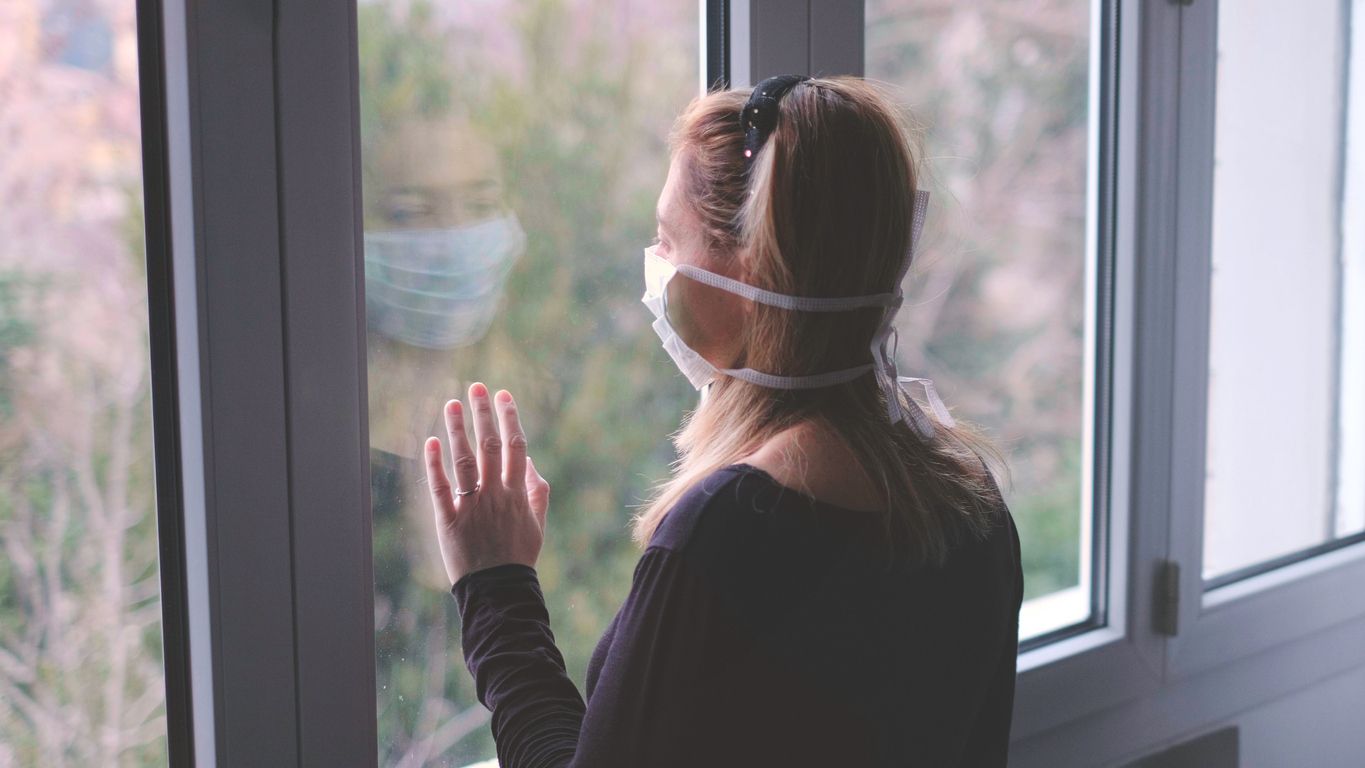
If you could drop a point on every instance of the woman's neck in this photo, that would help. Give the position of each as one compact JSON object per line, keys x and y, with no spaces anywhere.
{"x":814,"y":460}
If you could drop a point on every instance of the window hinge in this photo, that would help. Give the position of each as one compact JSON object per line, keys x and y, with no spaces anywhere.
{"x":1166,"y":598}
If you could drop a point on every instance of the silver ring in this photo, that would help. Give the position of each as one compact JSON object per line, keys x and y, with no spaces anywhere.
{"x":475,"y":489}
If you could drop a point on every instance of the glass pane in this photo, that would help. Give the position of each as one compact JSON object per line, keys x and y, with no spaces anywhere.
{"x":999,"y":310}
{"x":513,"y":153}
{"x":1285,"y":385}
{"x":81,"y":681}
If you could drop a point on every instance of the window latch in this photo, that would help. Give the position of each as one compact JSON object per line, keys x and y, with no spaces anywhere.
{"x":1166,"y":603}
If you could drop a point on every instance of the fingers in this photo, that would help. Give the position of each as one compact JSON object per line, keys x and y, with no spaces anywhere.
{"x":537,"y":492}
{"x":533,"y":478}
{"x":514,"y":441}
{"x":462,"y":455}
{"x":437,"y":481}
{"x":486,"y":436}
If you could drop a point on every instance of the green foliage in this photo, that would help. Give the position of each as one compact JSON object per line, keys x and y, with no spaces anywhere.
{"x":1049,"y":529}
{"x":403,"y":69}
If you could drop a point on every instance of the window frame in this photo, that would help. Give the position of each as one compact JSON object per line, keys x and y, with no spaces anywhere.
{"x":1281,"y":600}
{"x":1118,"y":656}
{"x":250,"y":120}
{"x":252,"y":188}
{"x":1241,"y":644}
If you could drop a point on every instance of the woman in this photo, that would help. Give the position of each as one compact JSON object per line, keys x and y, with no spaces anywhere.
{"x":830,"y":578}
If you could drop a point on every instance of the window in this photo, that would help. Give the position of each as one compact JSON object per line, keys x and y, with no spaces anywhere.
{"x":1105,"y":250}
{"x":1003,"y":310}
{"x":1286,"y":404}
{"x":512,"y":156}
{"x":81,"y":673}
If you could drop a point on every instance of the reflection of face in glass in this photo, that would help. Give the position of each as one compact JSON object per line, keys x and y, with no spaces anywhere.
{"x":438,"y":243}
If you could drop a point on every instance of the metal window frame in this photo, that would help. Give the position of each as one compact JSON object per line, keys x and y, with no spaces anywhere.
{"x":1118,"y":657}
{"x":1284,"y":600}
{"x":1243,"y":643}
{"x":161,"y":343}
{"x":764,"y":38}
{"x":251,"y":162}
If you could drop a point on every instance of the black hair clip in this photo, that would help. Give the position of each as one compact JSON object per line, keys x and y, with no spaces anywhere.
{"x":759,"y":117}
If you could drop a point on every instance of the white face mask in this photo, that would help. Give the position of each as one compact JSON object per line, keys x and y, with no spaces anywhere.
{"x":439,"y":288}
{"x":659,"y":272}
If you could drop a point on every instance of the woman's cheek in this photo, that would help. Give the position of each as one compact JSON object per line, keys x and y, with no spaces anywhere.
{"x":706,"y":318}
{"x":680,"y":314}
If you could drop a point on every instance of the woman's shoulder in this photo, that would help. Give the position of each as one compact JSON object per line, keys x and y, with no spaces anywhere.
{"x":750,"y":542}
{"x":711,"y":502}
{"x":740,"y":520}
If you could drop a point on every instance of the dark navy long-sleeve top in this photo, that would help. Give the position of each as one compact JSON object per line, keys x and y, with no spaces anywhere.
{"x":762,"y":628}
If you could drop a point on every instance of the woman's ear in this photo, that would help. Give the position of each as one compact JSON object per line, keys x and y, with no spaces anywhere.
{"x":741,"y":265}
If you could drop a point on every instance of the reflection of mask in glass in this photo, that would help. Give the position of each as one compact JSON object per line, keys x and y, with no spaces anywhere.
{"x":439,"y":288}
{"x":699,"y":371}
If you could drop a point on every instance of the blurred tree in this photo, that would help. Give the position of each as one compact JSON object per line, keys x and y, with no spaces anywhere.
{"x":81,"y":679}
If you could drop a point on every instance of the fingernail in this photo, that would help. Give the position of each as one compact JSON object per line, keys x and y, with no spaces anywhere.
{"x":504,"y":396}
{"x":453,"y":407}
{"x":478,"y":390}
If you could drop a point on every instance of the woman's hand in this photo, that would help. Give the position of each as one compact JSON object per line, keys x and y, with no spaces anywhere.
{"x":503,"y":521}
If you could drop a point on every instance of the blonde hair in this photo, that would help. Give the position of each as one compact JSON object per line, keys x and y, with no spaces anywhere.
{"x":825,"y":210}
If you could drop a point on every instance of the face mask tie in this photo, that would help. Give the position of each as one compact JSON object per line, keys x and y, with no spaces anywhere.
{"x":900,"y":406}
{"x":700,"y":372}
{"x":884,"y":348}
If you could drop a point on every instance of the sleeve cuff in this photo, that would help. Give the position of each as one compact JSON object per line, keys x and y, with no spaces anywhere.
{"x":497,"y":576}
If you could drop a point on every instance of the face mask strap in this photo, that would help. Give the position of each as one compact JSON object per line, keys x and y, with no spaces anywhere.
{"x":900,"y":406}
{"x":781,"y":300}
{"x":815,"y":381}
